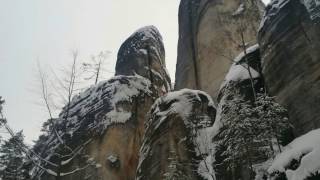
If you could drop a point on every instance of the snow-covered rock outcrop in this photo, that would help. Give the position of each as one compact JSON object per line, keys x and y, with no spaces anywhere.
{"x":104,"y":124}
{"x":143,"y":54}
{"x":177,"y":142}
{"x":289,"y":40}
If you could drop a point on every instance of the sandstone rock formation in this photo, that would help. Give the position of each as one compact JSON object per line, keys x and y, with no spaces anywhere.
{"x":211,"y":34}
{"x":132,"y":126}
{"x":289,"y":38}
{"x":176,"y":142}
{"x":105,"y":123}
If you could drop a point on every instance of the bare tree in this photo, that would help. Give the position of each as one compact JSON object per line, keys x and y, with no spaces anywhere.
{"x":95,"y":68}
{"x":68,"y":84}
{"x":57,"y":153}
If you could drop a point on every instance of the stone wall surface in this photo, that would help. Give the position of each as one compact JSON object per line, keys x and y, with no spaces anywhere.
{"x":289,"y":39}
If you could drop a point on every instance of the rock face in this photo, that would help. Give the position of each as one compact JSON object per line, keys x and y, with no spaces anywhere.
{"x":105,"y":123}
{"x":211,"y":34}
{"x":175,"y":145}
{"x":289,"y":39}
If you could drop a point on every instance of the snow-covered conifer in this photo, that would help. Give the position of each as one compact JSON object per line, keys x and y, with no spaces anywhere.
{"x":12,"y":158}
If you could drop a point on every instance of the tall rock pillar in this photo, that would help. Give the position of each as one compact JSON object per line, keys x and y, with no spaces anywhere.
{"x":211,"y":35}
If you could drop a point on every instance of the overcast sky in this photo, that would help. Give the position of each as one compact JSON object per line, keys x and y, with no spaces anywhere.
{"x":48,"y":30}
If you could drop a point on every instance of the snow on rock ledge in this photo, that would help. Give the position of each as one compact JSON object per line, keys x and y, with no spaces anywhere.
{"x":106,"y":98}
{"x":239,"y":69}
{"x":306,"y":148}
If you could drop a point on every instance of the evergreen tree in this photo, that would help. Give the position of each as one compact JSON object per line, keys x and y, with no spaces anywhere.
{"x":12,"y":158}
{"x":249,"y":130}
{"x":272,"y":119}
{"x":238,"y":135}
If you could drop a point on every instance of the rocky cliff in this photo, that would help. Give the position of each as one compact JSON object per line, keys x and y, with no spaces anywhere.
{"x":289,"y":38}
{"x":131,"y":126}
{"x":134,"y":126}
{"x":211,"y":35}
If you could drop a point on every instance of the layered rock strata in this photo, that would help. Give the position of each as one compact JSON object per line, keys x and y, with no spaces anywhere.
{"x":289,"y":39}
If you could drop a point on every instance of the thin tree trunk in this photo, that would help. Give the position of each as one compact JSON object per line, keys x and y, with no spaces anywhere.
{"x":278,"y":144}
{"x":98,"y":72}
{"x":244,"y":46}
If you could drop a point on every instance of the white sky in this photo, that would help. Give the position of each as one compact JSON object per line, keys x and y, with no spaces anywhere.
{"x":49,"y":30}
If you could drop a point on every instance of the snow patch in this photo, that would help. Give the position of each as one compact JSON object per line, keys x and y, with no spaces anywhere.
{"x":239,"y":70}
{"x":306,"y":146}
{"x":206,"y":171}
{"x":249,"y":50}
{"x":110,"y":94}
{"x":112,"y":159}
{"x":182,"y":103}
{"x":240,"y":10}
{"x":147,"y":32}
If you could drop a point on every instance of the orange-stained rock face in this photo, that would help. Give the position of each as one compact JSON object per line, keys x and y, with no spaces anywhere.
{"x":122,"y":141}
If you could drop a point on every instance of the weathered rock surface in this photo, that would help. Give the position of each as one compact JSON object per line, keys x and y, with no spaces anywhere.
{"x":210,"y":38}
{"x":175,"y":144}
{"x":289,"y":39}
{"x":106,"y":122}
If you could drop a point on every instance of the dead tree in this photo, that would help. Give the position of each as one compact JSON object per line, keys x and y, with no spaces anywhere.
{"x":95,"y":68}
